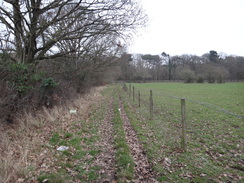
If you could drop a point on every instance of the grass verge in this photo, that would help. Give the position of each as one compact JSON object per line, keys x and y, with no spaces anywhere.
{"x":26,"y":151}
{"x":77,"y":163}
{"x":124,"y":161}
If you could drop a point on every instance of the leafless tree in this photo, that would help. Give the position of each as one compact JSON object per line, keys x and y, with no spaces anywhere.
{"x":40,"y":29}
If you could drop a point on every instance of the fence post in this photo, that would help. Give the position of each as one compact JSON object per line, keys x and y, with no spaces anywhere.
{"x":133,"y":93}
{"x":151,"y":104}
{"x":125,"y":87}
{"x":129,"y":90}
{"x":183,"y":122}
{"x":139,"y":98}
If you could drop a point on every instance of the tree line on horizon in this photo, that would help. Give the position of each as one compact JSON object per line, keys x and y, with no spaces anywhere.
{"x":210,"y":67}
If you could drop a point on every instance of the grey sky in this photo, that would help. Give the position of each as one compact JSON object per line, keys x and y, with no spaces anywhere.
{"x":191,"y":27}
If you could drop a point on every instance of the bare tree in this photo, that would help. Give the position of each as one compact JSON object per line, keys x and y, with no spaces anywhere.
{"x":41,"y":29}
{"x":170,"y":65}
{"x":154,"y":63}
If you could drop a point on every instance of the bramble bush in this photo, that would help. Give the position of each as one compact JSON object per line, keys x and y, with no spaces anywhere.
{"x":20,"y":77}
{"x":48,"y":83}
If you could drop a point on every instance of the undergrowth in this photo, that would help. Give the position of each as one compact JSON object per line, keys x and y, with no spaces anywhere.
{"x":28,"y":151}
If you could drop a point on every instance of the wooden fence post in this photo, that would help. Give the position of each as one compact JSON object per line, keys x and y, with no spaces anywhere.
{"x":129,"y":90}
{"x":139,"y":98}
{"x":125,"y":87}
{"x":151,"y":104}
{"x":133,"y":93}
{"x":183,"y":122}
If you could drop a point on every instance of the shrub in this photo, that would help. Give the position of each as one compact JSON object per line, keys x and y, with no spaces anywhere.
{"x":220,"y":79}
{"x":221,"y":75}
{"x":48,"y":84}
{"x":200,"y":79}
{"x":20,"y":77}
{"x":211,"y":77}
{"x":188,"y":76}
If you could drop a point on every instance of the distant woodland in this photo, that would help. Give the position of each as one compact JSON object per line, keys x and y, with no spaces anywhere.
{"x":52,"y":51}
{"x":210,"y":67}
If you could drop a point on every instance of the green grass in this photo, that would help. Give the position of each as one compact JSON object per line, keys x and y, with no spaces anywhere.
{"x":124,"y":161}
{"x":215,"y":139}
{"x":53,"y":178}
{"x":81,"y":137}
{"x":55,"y":139}
{"x":229,"y":95}
{"x":78,"y":159}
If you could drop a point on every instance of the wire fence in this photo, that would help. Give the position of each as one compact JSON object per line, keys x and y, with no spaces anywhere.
{"x":205,"y":104}
{"x":159,"y":106}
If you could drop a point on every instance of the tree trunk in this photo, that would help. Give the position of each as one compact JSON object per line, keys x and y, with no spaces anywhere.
{"x":30,"y":49}
{"x":170,"y":69}
{"x":18,"y":31}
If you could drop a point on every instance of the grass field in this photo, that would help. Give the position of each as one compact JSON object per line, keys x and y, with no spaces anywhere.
{"x":214,"y":130}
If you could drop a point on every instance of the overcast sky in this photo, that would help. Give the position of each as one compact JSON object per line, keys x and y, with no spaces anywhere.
{"x":191,"y":27}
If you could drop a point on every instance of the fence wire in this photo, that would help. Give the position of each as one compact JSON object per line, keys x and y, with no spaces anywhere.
{"x":205,"y":104}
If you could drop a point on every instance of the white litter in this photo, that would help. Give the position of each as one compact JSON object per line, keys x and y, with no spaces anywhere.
{"x":62,"y":148}
{"x":167,"y":161}
{"x":73,"y":111}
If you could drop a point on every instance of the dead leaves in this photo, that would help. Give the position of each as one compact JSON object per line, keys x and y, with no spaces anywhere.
{"x":143,"y":169}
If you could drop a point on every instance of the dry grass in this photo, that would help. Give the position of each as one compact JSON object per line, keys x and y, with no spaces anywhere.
{"x":20,"y":145}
